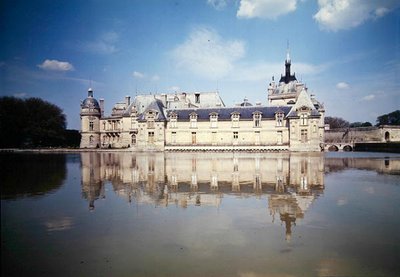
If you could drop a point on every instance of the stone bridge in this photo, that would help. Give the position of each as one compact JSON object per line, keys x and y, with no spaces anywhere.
{"x":345,"y":139}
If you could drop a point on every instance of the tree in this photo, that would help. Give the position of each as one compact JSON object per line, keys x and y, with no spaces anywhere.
{"x":392,"y":118}
{"x":360,"y":124}
{"x":32,"y":122}
{"x":336,"y":122}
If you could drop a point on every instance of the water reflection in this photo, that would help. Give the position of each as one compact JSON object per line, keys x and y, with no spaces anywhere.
{"x":290,"y":182}
{"x":25,"y":174}
{"x":386,"y":165}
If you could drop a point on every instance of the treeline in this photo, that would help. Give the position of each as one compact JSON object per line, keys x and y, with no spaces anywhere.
{"x":392,"y":118}
{"x":33,"y":123}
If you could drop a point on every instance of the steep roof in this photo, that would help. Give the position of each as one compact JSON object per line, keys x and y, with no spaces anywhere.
{"x":303,"y":100}
{"x":225,"y":113}
{"x":158,"y":106}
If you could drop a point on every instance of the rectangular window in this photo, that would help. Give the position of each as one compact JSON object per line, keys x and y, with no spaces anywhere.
{"x":257,"y":120}
{"x":150,"y":124}
{"x":173,"y":137}
{"x":213,"y":120}
{"x":151,"y":137}
{"x":173,"y":123}
{"x":194,"y":138}
{"x":257,"y":137}
{"x":193,"y":122}
{"x":280,"y":138}
{"x":303,"y":119}
{"x":235,"y":135}
{"x":91,"y":125}
{"x":303,"y":133}
{"x":214,"y":137}
{"x":197,"y":98}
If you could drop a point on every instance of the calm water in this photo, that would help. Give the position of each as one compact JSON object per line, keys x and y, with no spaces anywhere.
{"x":247,"y":215}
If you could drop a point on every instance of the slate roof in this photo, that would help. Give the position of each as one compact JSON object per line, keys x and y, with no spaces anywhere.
{"x":158,"y":106}
{"x":303,"y":100}
{"x":225,"y":113}
{"x":90,"y":102}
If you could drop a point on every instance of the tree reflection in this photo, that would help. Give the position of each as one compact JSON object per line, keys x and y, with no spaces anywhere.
{"x":25,"y":175}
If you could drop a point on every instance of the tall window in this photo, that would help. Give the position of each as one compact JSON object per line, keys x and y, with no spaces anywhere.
{"x":279,"y":119}
{"x":235,"y":120}
{"x":303,"y":133}
{"x":150,"y":119}
{"x":173,"y":137}
{"x":104,"y":125}
{"x":194,"y":141}
{"x":151,"y":137}
{"x":193,"y":120}
{"x":133,"y":123}
{"x":213,"y":120}
{"x":133,"y":140}
{"x":257,"y":119}
{"x":91,"y":125}
{"x":235,"y":135}
{"x":303,"y":119}
{"x":197,"y":98}
{"x":173,"y":120}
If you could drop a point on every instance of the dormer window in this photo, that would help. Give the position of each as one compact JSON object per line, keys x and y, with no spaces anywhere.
{"x":303,"y":119}
{"x":150,"y":117}
{"x":213,"y":120}
{"x":279,"y":119}
{"x":235,"y":117}
{"x":257,"y":119}
{"x":173,"y":118}
{"x":193,"y":120}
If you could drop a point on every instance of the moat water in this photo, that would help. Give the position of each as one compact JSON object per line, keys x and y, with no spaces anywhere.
{"x":200,"y":214}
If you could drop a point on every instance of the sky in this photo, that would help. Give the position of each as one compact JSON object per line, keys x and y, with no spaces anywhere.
{"x":347,"y":52}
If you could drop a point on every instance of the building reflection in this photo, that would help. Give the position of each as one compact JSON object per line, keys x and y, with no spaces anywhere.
{"x":290,"y":182}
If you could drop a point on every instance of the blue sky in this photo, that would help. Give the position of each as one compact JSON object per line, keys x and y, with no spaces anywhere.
{"x":346,"y":51}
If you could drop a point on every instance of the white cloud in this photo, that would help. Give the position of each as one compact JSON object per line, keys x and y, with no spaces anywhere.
{"x":138,"y":75}
{"x":336,"y":15}
{"x":174,"y":88}
{"x":207,"y":54}
{"x":217,"y":4}
{"x":20,"y":94}
{"x":54,"y":65}
{"x":342,"y":85}
{"x":269,"y":9}
{"x":155,"y":78}
{"x":368,"y":97}
{"x":105,"y":44}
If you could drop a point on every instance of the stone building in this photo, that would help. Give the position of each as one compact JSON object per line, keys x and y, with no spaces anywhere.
{"x":292,"y":121}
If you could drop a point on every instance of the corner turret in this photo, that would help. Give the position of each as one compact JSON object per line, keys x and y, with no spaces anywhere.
{"x":90,"y":122}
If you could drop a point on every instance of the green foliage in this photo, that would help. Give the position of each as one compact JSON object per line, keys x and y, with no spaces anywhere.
{"x":336,"y":122}
{"x":360,"y":124}
{"x":392,"y":118}
{"x":32,"y":122}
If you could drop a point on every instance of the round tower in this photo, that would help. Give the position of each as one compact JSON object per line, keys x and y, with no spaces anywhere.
{"x":90,"y":122}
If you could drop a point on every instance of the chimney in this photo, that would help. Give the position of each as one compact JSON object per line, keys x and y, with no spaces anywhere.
{"x":101,"y":106}
{"x":127,"y":101}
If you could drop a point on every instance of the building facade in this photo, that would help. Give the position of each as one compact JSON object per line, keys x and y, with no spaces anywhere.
{"x":292,"y":121}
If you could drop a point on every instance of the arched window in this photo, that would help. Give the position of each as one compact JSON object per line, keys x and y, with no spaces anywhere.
{"x":387,"y":136}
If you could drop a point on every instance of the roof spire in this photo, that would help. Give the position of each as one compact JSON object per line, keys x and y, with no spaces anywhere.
{"x":287,"y":52}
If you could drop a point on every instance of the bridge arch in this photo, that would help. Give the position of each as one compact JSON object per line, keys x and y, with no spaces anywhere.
{"x":347,"y":148}
{"x":333,"y":148}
